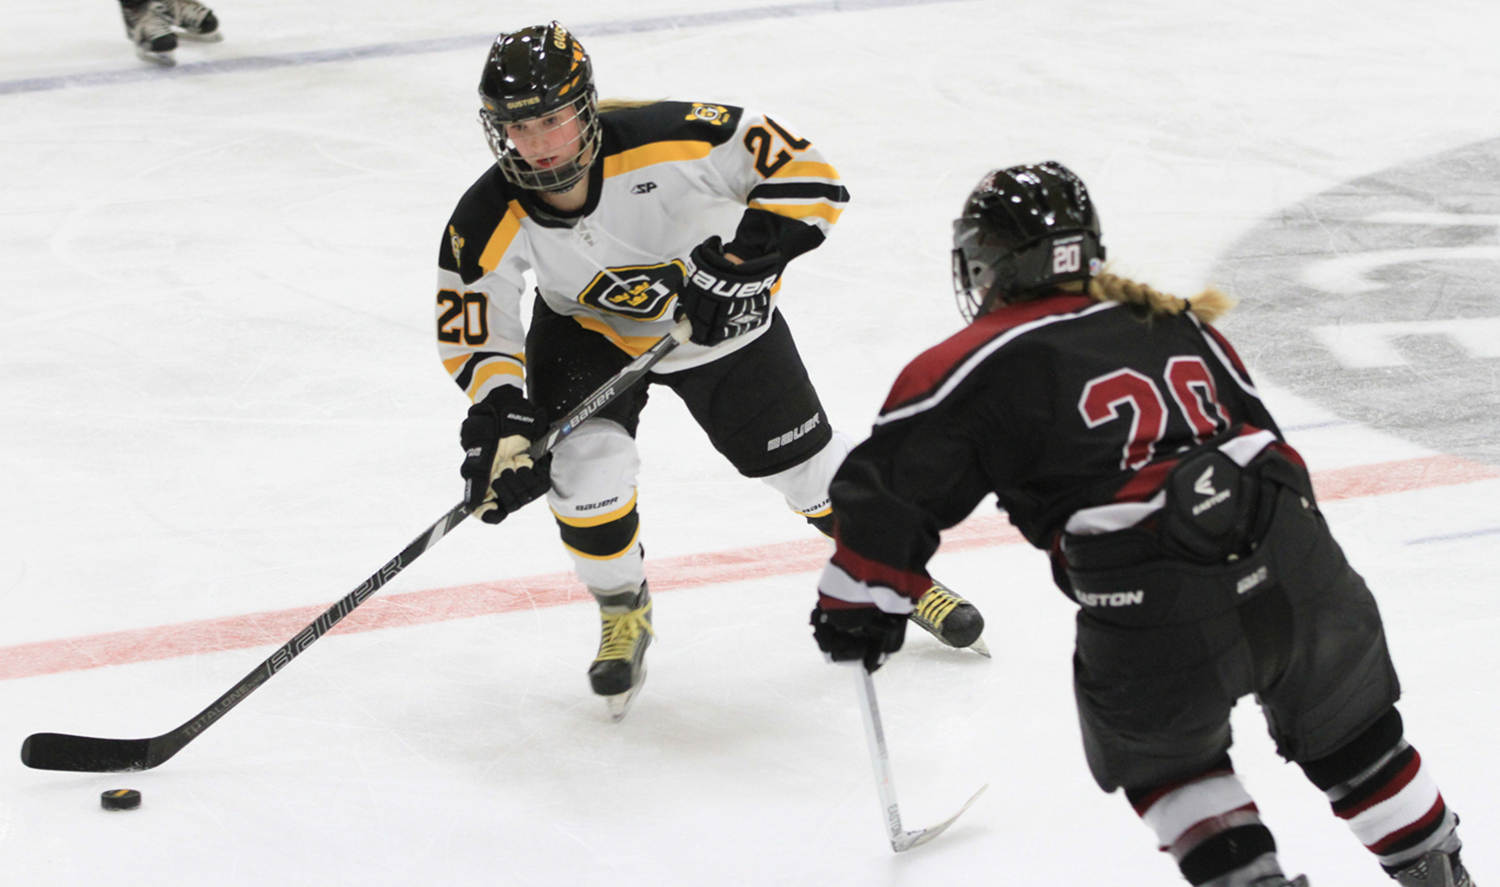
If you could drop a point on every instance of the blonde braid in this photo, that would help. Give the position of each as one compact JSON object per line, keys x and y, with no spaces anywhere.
{"x":1208,"y":306}
{"x":607,"y":105}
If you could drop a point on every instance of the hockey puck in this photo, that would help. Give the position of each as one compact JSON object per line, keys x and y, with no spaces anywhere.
{"x":120,"y":799}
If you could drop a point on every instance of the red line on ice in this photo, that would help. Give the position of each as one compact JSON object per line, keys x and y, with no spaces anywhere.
{"x":553,"y":589}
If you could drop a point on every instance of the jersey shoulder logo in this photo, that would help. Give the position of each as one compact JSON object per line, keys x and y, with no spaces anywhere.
{"x":638,"y":292}
{"x":456,"y":243}
{"x":643,"y":188}
{"x":718,"y":115}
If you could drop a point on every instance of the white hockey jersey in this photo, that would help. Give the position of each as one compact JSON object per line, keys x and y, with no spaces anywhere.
{"x":670,"y":175}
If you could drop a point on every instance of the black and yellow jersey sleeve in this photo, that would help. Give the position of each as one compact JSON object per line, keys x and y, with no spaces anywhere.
{"x":480,"y":264}
{"x":792,"y":194}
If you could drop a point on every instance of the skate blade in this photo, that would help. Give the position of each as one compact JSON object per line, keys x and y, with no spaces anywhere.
{"x":619,"y":704}
{"x":979,"y":646}
{"x":164,"y":59}
{"x":211,"y":37}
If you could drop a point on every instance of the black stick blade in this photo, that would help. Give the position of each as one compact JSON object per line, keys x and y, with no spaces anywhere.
{"x":59,"y":751}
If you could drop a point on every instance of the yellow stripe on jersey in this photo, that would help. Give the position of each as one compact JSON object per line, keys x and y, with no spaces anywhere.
{"x":607,"y":557}
{"x":490,"y":370}
{"x":800,"y":210}
{"x":500,"y":240}
{"x":654,"y":153}
{"x":805,"y":169}
{"x":454,"y":364}
{"x":634,"y":346}
{"x":597,"y":519}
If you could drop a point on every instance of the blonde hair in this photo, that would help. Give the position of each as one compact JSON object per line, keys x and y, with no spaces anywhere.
{"x":622,"y":104}
{"x":1208,"y":306}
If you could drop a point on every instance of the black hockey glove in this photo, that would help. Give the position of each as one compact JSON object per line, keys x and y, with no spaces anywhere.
{"x":868,"y":633}
{"x":723,"y":300}
{"x":499,"y":477}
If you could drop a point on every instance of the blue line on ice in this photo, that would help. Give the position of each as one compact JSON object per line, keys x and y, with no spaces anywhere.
{"x":1449,"y":537}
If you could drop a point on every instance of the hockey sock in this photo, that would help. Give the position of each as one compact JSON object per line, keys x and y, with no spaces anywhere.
{"x":1378,"y":786}
{"x":1209,"y":824}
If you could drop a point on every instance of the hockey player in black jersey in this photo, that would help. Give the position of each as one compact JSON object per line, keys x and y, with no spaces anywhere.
{"x":629,"y":215}
{"x":1123,"y":436}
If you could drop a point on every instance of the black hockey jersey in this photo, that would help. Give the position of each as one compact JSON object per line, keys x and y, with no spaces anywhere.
{"x":1070,"y":410}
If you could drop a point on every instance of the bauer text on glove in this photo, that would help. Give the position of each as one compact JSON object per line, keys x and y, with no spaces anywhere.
{"x":723,"y":299}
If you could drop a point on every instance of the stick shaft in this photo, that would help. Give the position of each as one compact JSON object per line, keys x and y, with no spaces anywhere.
{"x":880,"y":759}
{"x":60,"y":751}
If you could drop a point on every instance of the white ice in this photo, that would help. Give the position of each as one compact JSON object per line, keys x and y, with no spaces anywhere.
{"x":220,"y":395}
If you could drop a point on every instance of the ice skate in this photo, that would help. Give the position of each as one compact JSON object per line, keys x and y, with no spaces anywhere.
{"x":951,"y":619}
{"x":1436,"y":869}
{"x":149,"y":29}
{"x":192,"y":20}
{"x":619,"y":671}
{"x":1264,"y":871}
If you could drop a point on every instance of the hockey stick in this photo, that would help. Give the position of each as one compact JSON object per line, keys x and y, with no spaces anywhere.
{"x":60,"y":751}
{"x":901,"y":839}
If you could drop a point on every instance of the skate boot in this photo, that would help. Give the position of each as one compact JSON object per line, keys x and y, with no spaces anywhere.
{"x":193,"y":20}
{"x":1264,"y":871}
{"x":1436,"y":869}
{"x":950,"y":619}
{"x":147,"y":26}
{"x":620,"y":668}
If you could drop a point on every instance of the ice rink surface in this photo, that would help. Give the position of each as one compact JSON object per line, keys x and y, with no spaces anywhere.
{"x":222,"y":409}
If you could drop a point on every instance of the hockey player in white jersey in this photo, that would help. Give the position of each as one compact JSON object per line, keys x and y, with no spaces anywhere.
{"x":620,"y":211}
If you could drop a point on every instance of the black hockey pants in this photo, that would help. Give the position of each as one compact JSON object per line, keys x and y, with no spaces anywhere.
{"x":1291,"y":623}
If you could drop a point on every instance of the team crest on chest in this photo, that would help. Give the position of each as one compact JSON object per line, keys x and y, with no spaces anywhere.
{"x":639,"y":292}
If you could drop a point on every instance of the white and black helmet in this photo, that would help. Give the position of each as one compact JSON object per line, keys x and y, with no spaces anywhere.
{"x":1024,"y":228}
{"x":532,"y":73}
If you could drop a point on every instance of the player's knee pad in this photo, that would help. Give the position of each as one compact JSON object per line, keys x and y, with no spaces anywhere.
{"x":593,"y":493}
{"x":805,"y":485}
{"x":1376,"y":743}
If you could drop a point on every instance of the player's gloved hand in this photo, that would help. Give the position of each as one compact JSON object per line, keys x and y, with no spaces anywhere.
{"x":723,"y":300}
{"x":499,"y":476}
{"x":857,"y":632}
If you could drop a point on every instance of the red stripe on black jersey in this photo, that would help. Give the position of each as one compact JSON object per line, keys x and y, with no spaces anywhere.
{"x":872,"y":572}
{"x":1147,"y":482}
{"x":1286,"y":450}
{"x":932,"y":367}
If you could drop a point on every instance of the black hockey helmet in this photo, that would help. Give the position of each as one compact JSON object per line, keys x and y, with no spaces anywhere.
{"x":1023,"y":228}
{"x":533,"y":74}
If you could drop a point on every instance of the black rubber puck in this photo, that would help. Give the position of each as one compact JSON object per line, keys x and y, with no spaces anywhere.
{"x":120,"y":799}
